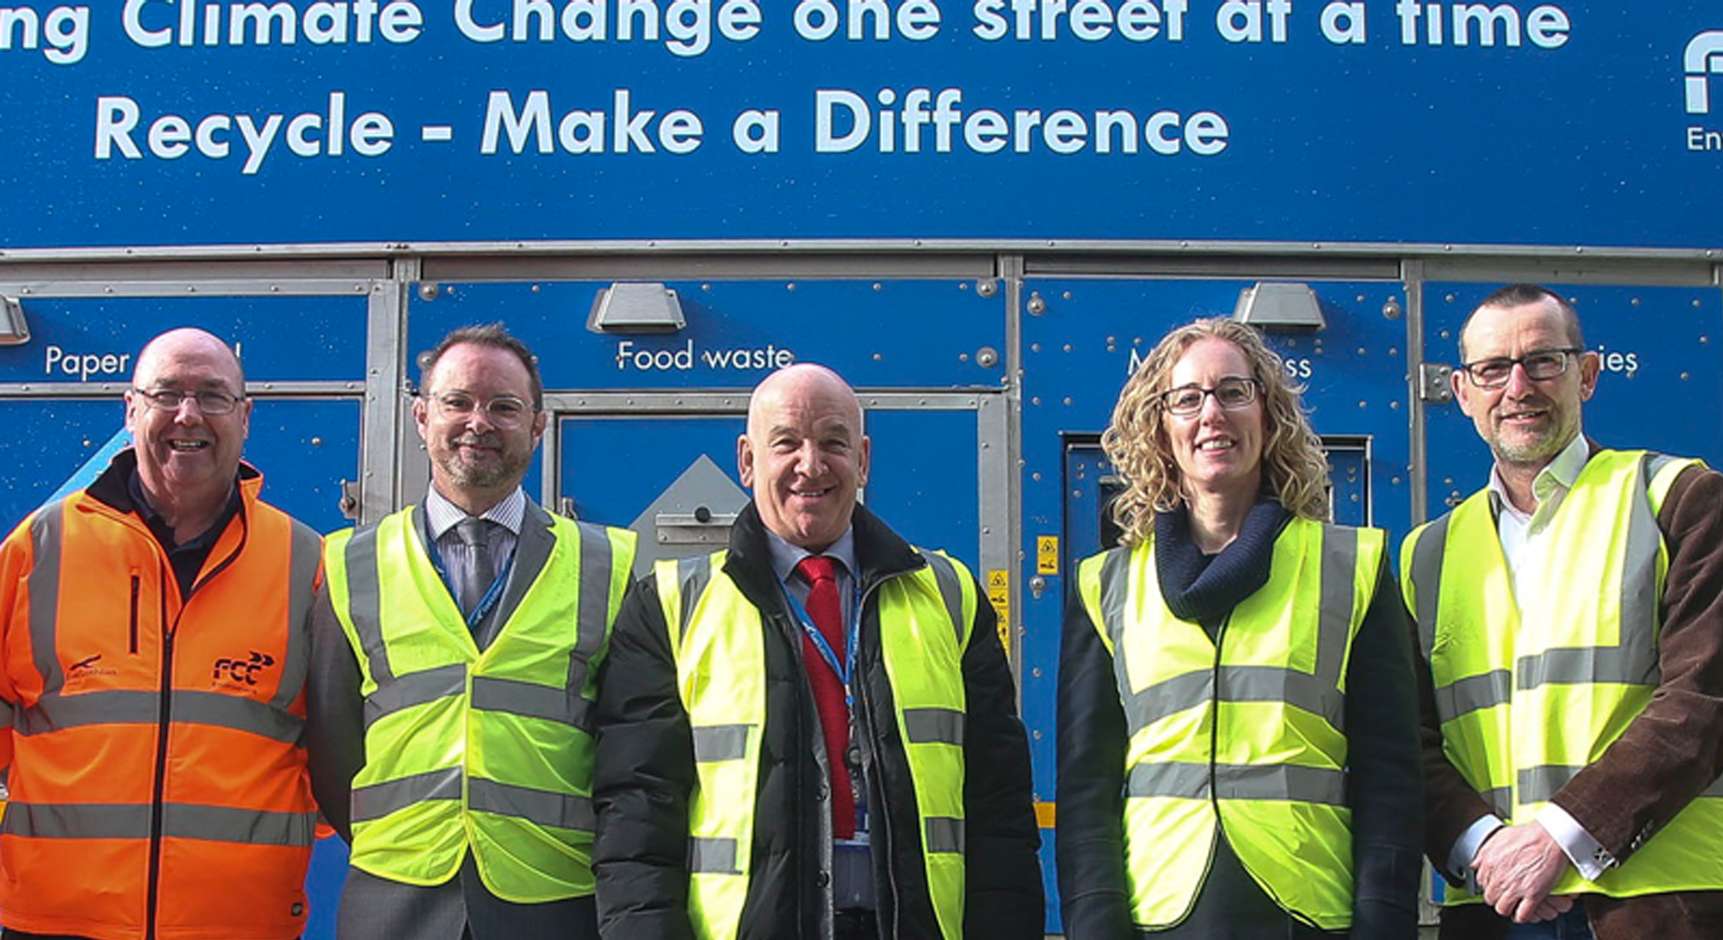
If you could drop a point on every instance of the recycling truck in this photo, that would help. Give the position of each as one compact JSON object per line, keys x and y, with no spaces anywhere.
{"x":983,"y":213}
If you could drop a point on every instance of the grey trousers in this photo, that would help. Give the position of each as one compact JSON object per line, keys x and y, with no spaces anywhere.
{"x":461,"y":908}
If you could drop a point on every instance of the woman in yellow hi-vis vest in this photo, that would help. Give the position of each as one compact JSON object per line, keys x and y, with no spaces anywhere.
{"x":1238,"y":754}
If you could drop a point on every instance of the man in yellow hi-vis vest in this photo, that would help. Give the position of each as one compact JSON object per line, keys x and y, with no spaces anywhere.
{"x":811,"y":734}
{"x":1570,"y":620}
{"x":454,"y":655}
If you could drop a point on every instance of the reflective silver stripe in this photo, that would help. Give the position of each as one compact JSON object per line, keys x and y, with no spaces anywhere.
{"x":1181,"y":781}
{"x":720,"y":743}
{"x":1474,"y":693}
{"x":950,"y":589}
{"x":231,"y":711}
{"x":58,"y":712}
{"x":381,"y":799}
{"x":1586,"y":664}
{"x":595,"y":575}
{"x":1654,"y":464}
{"x":365,"y":601}
{"x":1641,"y":599}
{"x":307,"y":551}
{"x":230,"y":824}
{"x":1427,"y":558}
{"x":77,"y":820}
{"x":1715,"y":789}
{"x":712,"y":856}
{"x":532,"y":700}
{"x":6,"y":713}
{"x":1538,"y":784}
{"x":693,"y":574}
{"x":47,"y":531}
{"x":414,"y":689}
{"x":1315,"y":695}
{"x":1240,"y":782}
{"x":944,"y":834}
{"x":1335,"y":614}
{"x":934,"y":725}
{"x":1166,"y":697}
{"x":1115,"y":580}
{"x":1500,"y":800}
{"x":540,"y":807}
{"x":1237,"y":684}
{"x":179,"y":821}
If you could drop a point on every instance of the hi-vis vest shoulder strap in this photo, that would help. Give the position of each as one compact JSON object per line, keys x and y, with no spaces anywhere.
{"x":925,"y":619}
{"x":1530,"y":689}
{"x":1248,"y":735}
{"x":483,"y":751}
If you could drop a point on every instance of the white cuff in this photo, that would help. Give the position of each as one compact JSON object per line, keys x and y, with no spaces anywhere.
{"x":1585,"y":852}
{"x":1466,"y":849}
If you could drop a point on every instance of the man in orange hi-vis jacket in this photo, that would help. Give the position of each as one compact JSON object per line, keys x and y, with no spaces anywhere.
{"x":153,"y":651}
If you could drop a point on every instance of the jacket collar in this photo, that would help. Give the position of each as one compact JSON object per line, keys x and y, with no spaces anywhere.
{"x":880,"y":552}
{"x":112,"y":488}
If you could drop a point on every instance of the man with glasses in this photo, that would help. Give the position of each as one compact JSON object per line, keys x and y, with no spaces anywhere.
{"x":454,"y":653}
{"x":1570,"y":620}
{"x":153,"y":689}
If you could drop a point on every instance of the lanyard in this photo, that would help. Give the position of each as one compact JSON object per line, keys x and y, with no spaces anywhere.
{"x":852,"y":637}
{"x":492,"y":594}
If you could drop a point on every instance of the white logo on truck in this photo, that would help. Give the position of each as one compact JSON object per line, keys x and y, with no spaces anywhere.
{"x":1704,"y":58}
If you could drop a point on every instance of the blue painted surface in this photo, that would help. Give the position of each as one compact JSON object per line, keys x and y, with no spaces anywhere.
{"x":94,"y":341}
{"x":1661,"y":387}
{"x":738,"y":331}
{"x":1385,"y":140}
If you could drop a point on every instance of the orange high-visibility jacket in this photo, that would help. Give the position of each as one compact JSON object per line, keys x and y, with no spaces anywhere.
{"x":158,"y":780}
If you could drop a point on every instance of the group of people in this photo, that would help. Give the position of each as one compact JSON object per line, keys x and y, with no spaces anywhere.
{"x":813,"y":733}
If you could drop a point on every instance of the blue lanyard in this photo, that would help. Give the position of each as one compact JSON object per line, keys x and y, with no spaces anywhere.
{"x":852,"y":637}
{"x":492,"y":595}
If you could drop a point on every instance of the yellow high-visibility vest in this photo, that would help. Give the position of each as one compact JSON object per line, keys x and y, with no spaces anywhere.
{"x":1530,"y":690}
{"x":466,"y":750}
{"x":1243,"y":731}
{"x":925,"y":619}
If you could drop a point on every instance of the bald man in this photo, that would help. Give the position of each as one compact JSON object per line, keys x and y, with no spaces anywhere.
{"x":812,"y":733}
{"x":152,"y":691}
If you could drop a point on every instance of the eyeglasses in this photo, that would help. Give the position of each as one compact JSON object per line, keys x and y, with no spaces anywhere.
{"x":1233,"y":393}
{"x":1543,"y":364}
{"x":170,"y":399}
{"x":504,"y":411}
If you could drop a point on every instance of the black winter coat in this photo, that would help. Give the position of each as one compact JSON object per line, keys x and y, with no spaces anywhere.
{"x":644,"y":774}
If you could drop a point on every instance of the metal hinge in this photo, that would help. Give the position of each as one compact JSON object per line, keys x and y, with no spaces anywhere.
{"x":1433,"y":383}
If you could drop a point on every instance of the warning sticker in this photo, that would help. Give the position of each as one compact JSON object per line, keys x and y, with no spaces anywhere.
{"x":1046,"y":554}
{"x":999,"y":594}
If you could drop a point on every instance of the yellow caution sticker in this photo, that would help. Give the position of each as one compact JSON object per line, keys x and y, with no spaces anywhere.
{"x":1046,"y":815}
{"x":999,"y":595}
{"x":1046,"y":554}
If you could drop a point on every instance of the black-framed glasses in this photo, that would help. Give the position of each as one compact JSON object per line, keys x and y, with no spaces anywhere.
{"x":1233,"y":392}
{"x":504,"y":411}
{"x":170,"y":399}
{"x":1540,"y":365}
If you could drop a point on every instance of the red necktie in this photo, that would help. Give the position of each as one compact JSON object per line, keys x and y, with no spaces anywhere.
{"x":824,"y":607}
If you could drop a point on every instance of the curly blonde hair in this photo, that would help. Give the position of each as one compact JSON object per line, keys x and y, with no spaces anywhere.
{"x":1294,"y":468}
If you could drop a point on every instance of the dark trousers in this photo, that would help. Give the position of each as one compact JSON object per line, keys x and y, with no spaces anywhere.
{"x":855,"y":925}
{"x":461,"y":908}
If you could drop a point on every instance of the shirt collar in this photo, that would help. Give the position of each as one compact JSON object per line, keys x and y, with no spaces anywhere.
{"x":441,"y":515}
{"x":1557,"y":476}
{"x":785,"y":557}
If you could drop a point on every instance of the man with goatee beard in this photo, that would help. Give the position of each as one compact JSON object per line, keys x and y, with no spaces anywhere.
{"x":454,"y":651}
